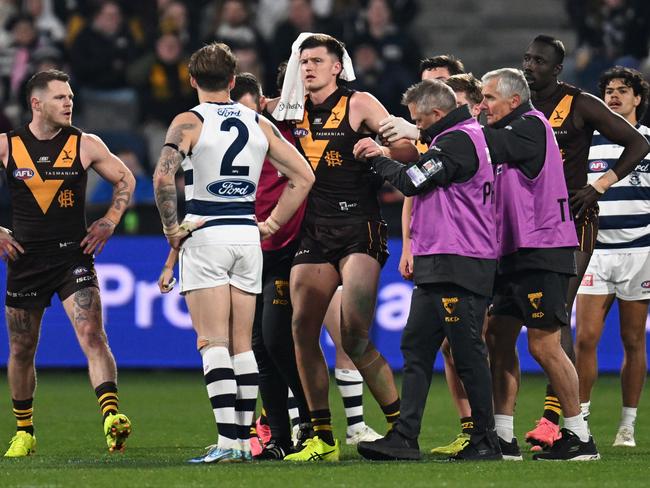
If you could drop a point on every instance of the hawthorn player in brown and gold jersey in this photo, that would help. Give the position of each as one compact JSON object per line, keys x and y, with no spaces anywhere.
{"x":344,"y":239}
{"x":51,"y":250}
{"x":574,"y":116}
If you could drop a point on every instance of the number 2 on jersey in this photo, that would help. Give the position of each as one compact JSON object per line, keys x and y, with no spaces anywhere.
{"x":235,"y":148}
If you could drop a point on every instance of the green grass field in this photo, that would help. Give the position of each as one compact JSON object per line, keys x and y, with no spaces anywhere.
{"x":173,"y":422}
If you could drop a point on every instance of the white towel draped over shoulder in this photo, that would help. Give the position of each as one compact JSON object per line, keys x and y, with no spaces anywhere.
{"x":292,"y":99}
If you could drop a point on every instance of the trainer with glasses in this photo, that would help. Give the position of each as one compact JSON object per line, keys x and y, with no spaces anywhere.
{"x":536,"y":239}
{"x":453,"y":240}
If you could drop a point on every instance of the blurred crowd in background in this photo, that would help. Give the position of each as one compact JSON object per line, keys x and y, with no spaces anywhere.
{"x":128,"y":59}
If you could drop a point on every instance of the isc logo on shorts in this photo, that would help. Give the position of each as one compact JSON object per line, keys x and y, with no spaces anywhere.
{"x":23,"y":173}
{"x":588,"y":280}
{"x":231,"y":188}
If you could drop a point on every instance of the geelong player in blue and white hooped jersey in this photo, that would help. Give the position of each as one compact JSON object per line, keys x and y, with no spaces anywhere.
{"x":221,"y":146}
{"x":620,"y":265}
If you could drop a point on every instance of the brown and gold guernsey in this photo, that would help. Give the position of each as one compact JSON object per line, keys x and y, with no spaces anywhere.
{"x":345,"y":191}
{"x":47,"y":184}
{"x":574,"y":142}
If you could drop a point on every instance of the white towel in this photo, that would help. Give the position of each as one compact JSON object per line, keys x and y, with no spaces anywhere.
{"x":292,"y":99}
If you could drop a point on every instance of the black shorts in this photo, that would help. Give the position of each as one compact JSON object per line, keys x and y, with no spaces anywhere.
{"x":537,"y":297}
{"x":587,"y":230}
{"x":34,"y":278}
{"x":331,"y":243}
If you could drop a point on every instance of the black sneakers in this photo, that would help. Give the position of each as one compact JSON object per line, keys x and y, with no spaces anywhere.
{"x":481,"y":447}
{"x":273,"y":451}
{"x":510,"y":450}
{"x":569,"y":447}
{"x":393,"y":447}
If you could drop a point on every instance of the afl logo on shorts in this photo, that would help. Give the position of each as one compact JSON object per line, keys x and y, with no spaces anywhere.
{"x":300,"y":133}
{"x":23,"y":173}
{"x":80,"y":271}
{"x":645,"y":284}
{"x":231,"y":188}
{"x":597,"y":166}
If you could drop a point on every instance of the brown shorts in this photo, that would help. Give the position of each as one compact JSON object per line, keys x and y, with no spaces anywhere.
{"x":331,"y":243}
{"x":33,"y":278}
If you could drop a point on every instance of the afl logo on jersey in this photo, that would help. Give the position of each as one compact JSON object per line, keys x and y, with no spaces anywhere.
{"x":300,"y":133}
{"x":597,"y":166}
{"x":23,"y":173}
{"x":231,"y":188}
{"x":645,"y":284}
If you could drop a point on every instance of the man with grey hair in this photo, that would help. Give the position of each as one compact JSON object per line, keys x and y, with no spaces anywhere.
{"x":536,"y":241}
{"x":453,"y":239}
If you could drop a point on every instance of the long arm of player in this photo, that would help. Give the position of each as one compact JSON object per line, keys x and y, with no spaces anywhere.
{"x":453,"y":158}
{"x":619,"y":131}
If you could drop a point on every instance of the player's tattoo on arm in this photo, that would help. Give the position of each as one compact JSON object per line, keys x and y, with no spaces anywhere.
{"x":171,"y":156}
{"x":166,"y":203}
{"x":277,"y":133}
{"x":121,"y":193}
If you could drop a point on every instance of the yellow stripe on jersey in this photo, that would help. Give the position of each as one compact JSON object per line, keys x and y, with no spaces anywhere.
{"x":314,"y":149}
{"x":68,"y":154}
{"x":561,"y":111}
{"x":43,"y":191}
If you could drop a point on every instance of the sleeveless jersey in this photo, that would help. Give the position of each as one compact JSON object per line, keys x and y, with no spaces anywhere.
{"x":345,"y":191}
{"x":464,"y":213}
{"x":221,"y":175}
{"x":624,"y":220}
{"x":47,"y":184}
{"x":574,"y":143}
{"x":533,"y":213}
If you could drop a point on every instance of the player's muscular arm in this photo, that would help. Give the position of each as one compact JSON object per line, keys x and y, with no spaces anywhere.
{"x":95,"y":153}
{"x":366,"y":115}
{"x":593,"y":112}
{"x":181,"y":137}
{"x":290,"y":163}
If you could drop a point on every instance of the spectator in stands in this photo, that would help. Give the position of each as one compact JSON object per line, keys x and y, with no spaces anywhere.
{"x":386,"y":84}
{"x":395,"y":46}
{"x":163,"y":82}
{"x":101,"y":52}
{"x":301,"y":18}
{"x":49,"y":27}
{"x":174,"y":18}
{"x":609,"y":32}
{"x":99,"y":57}
{"x":15,"y":60}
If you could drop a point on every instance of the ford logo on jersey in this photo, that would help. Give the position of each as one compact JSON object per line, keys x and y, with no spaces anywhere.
{"x":598,"y":166}
{"x":300,"y":132}
{"x":23,"y":173}
{"x":231,"y":188}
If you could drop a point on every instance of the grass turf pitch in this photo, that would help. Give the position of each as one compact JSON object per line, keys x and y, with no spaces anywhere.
{"x":172,"y":422}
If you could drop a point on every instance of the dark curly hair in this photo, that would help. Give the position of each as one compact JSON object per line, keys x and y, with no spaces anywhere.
{"x":631,"y":78}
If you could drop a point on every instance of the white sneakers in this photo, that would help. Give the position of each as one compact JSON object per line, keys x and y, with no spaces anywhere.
{"x":624,"y":437}
{"x":361,"y":434}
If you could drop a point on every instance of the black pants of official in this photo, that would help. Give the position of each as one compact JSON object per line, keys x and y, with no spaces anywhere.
{"x":439,"y":311}
{"x":273,"y":344}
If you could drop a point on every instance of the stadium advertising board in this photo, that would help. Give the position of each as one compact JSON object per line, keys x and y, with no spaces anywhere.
{"x":150,"y":330}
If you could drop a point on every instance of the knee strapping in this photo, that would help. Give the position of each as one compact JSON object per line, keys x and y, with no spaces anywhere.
{"x":355,"y":346}
{"x":203,"y":343}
